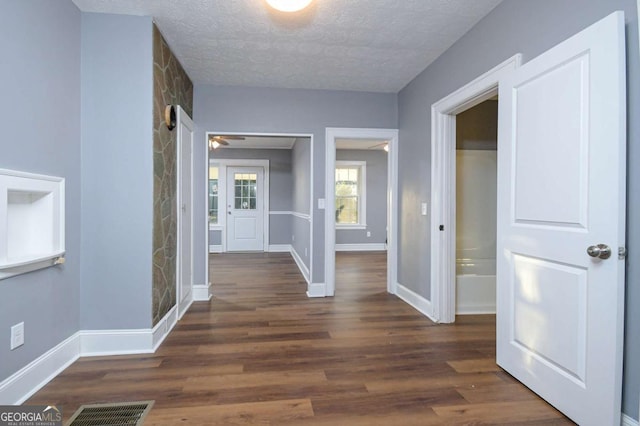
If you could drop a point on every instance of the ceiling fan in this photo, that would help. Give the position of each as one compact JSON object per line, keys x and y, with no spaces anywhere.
{"x":216,"y":141}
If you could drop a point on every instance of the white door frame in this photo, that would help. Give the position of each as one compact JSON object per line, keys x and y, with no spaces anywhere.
{"x":206,"y":192}
{"x":183,"y":116}
{"x":331,"y":134}
{"x":223,"y":164}
{"x":443,"y":183}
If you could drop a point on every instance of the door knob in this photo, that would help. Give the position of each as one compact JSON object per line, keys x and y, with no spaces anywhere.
{"x":601,"y":251}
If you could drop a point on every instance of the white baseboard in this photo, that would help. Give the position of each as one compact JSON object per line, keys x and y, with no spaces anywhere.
{"x":362,"y":247}
{"x":628,"y":421}
{"x":18,"y":387}
{"x":303,"y":268}
{"x":202,"y":292}
{"x":215,"y":248}
{"x":28,"y":380}
{"x":316,"y":290}
{"x":418,"y":302}
{"x":280,"y":248}
{"x":476,"y":309}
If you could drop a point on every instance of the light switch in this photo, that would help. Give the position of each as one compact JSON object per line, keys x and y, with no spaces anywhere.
{"x":424,"y":209}
{"x":321,"y":203}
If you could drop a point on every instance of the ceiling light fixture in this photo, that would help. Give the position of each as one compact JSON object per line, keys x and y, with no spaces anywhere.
{"x":213,"y":144}
{"x":386,"y":147}
{"x":289,"y":5}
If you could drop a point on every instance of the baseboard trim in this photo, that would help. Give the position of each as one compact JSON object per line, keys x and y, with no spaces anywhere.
{"x":362,"y":247}
{"x":628,"y":421}
{"x":303,"y":268}
{"x":418,"y":302}
{"x":18,"y":387}
{"x":202,"y":292}
{"x":316,"y":290}
{"x":280,"y":248}
{"x":215,"y":248}
{"x":476,"y":309}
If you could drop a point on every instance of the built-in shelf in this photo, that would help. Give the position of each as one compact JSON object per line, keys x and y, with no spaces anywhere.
{"x":31,"y":222}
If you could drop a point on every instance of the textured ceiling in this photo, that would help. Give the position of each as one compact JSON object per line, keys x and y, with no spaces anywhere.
{"x":362,"y":45}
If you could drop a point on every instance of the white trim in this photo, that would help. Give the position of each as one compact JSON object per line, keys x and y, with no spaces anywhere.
{"x":280,"y":248}
{"x":628,"y":421}
{"x":443,"y":185}
{"x":184,"y":301}
{"x":316,"y":290}
{"x":362,"y":247}
{"x":18,"y":387}
{"x":202,"y":292}
{"x":331,"y":134}
{"x":348,"y":227}
{"x":294,"y":214}
{"x":215,"y":248}
{"x":301,"y":216}
{"x":418,"y":302}
{"x":303,"y":268}
{"x":362,"y":193}
{"x":21,"y":385}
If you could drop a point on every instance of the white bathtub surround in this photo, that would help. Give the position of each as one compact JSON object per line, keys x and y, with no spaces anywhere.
{"x":475,"y":286}
{"x":476,"y":231}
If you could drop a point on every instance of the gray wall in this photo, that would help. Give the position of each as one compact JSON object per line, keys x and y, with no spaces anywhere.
{"x":117,"y":171}
{"x":260,"y":110}
{"x":301,"y":203}
{"x":376,"y":198}
{"x":280,"y":189}
{"x":530,"y":28}
{"x":40,"y":86}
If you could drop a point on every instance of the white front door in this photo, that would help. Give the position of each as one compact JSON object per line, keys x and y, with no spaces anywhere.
{"x":245,"y":209}
{"x":561,"y":190}
{"x":185,"y":223}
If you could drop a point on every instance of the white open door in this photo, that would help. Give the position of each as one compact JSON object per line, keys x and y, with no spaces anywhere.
{"x":245,"y":209}
{"x":184,"y":271}
{"x":561,"y":190}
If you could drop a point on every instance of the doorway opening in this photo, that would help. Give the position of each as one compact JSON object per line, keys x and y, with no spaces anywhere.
{"x":476,"y":208}
{"x":360,"y":198}
{"x":443,"y":187}
{"x":258,"y":195}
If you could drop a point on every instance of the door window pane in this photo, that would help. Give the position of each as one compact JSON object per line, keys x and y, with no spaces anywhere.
{"x":245,"y":191}
{"x":213,"y":195}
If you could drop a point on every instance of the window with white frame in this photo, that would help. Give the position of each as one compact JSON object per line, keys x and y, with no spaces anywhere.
{"x":350,"y":194}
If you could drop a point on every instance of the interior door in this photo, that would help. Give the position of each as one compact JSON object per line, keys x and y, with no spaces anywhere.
{"x":561,"y":192}
{"x":185,"y":220}
{"x":245,"y":209}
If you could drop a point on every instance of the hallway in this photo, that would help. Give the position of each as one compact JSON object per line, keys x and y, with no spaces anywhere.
{"x":261,"y":352}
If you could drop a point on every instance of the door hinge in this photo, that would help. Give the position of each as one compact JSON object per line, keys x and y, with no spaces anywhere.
{"x":622,"y":253}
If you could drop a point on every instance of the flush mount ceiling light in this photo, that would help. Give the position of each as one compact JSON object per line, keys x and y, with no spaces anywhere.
{"x":289,"y":5}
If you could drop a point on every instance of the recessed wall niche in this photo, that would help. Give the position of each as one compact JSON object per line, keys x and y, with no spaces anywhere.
{"x":31,"y":222}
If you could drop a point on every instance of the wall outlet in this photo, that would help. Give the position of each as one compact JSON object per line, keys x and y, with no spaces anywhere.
{"x":368,"y":234}
{"x":305,"y":252}
{"x":321,"y":203}
{"x":17,"y":335}
{"x":293,"y":238}
{"x":424,"y":209}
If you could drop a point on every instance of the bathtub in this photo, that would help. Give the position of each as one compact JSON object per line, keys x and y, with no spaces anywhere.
{"x":475,"y":286}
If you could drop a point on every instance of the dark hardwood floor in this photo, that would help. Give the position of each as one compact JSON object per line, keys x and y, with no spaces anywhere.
{"x":261,"y":352}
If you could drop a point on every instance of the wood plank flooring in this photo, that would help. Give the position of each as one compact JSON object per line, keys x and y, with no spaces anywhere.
{"x":262,"y":353}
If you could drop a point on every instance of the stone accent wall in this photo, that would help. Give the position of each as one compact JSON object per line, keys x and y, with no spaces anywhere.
{"x":171,"y":85}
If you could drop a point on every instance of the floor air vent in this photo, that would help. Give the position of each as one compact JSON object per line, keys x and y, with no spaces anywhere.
{"x":121,"y":414}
